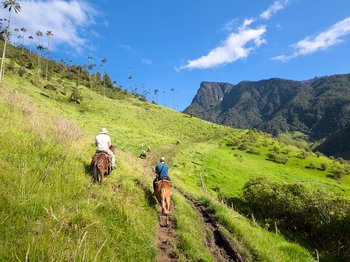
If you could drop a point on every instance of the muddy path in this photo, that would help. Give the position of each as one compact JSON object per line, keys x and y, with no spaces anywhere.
{"x":216,"y":242}
{"x":165,"y":235}
{"x":166,"y":240}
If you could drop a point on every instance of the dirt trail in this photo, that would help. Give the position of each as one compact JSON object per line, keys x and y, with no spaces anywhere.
{"x":165,"y":240}
{"x":217,"y":244}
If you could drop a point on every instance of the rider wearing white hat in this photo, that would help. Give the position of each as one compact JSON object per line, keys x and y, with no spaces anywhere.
{"x":103,"y":142}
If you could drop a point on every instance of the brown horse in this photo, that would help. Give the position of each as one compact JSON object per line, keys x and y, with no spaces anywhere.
{"x":163,"y":193}
{"x":101,"y":165}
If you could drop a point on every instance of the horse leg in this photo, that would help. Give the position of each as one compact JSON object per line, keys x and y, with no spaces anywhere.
{"x":94,"y":174}
{"x":100,"y":174}
{"x":164,"y":202}
{"x":101,"y":178}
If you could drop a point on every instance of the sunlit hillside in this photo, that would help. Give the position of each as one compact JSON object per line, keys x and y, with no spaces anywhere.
{"x":51,"y":211}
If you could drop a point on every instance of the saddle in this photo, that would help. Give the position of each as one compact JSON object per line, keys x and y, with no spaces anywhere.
{"x":100,"y":154}
{"x":163,"y":179}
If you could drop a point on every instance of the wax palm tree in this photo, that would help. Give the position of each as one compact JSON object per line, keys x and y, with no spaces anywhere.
{"x":23,"y":30}
{"x":17,"y":31}
{"x":104,"y":61}
{"x":39,"y":34}
{"x":156,"y":95}
{"x":31,"y":38}
{"x":19,"y":37}
{"x":11,"y":5}
{"x":90,"y":67}
{"x":49,"y":34}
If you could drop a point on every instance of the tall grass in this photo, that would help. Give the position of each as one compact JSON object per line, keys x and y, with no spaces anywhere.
{"x":49,"y":209}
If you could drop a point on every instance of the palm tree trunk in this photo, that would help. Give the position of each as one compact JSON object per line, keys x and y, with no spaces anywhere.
{"x":47,"y":60}
{"x":38,"y":63}
{"x":2,"y":67}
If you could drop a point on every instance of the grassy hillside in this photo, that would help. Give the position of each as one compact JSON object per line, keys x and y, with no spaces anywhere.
{"x":50,"y":209}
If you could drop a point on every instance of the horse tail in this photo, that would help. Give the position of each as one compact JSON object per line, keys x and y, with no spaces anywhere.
{"x":95,"y":173}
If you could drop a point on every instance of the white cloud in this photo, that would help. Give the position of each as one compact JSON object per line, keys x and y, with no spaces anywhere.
{"x":322,"y":41}
{"x":273,"y":9}
{"x":66,"y":20}
{"x":237,"y":45}
{"x":147,"y":61}
{"x":126,"y":47}
{"x":230,"y":25}
{"x":247,"y":22}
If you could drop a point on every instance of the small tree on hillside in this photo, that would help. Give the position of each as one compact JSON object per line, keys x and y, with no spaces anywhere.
{"x":191,"y":112}
{"x":107,"y":80}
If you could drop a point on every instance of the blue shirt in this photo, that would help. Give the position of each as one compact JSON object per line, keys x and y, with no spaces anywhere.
{"x":162,"y":170}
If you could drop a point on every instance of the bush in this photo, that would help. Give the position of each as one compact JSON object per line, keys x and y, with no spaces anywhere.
{"x":36,"y":82}
{"x":323,"y":166}
{"x":50,"y":87}
{"x":276,"y":158}
{"x":338,"y":172}
{"x":21,"y":72}
{"x":322,"y":219}
{"x":312,"y":166}
{"x":252,"y":150}
{"x":76,"y":96}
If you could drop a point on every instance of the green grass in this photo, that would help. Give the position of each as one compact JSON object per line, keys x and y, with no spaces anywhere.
{"x":50,"y":210}
{"x":190,"y":233}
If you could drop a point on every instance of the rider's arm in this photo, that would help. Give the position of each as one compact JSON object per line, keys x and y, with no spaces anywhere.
{"x":109,"y":142}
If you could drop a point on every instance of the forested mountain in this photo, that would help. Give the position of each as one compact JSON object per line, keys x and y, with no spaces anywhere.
{"x":319,"y":107}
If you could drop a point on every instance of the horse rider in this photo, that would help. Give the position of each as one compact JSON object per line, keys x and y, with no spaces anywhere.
{"x":143,"y":152}
{"x":161,"y":171}
{"x":103,"y":142}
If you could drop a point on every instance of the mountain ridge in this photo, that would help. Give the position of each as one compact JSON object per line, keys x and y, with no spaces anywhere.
{"x":318,"y":107}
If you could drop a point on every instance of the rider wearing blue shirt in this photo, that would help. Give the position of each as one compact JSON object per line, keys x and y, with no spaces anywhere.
{"x":161,"y":171}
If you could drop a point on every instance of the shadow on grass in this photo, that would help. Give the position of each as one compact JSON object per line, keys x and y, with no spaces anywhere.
{"x":240,"y":205}
{"x":88,"y":169}
{"x":148,"y":194}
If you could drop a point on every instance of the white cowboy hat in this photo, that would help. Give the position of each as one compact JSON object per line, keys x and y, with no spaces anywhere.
{"x":104,"y":131}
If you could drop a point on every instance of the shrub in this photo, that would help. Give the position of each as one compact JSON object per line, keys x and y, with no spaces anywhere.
{"x":318,"y":154}
{"x":312,"y":166}
{"x":323,"y":166}
{"x":302,"y":154}
{"x":252,"y":150}
{"x":21,"y":72}
{"x":76,"y":96}
{"x":239,"y":157}
{"x":50,"y":87}
{"x":276,"y":158}
{"x":322,"y":219}
{"x":36,"y":82}
{"x":338,"y":172}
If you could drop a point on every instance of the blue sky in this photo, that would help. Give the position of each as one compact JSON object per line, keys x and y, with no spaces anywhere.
{"x":178,"y":44}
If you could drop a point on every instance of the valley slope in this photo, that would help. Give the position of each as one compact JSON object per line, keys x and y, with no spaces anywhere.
{"x":319,"y":108}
